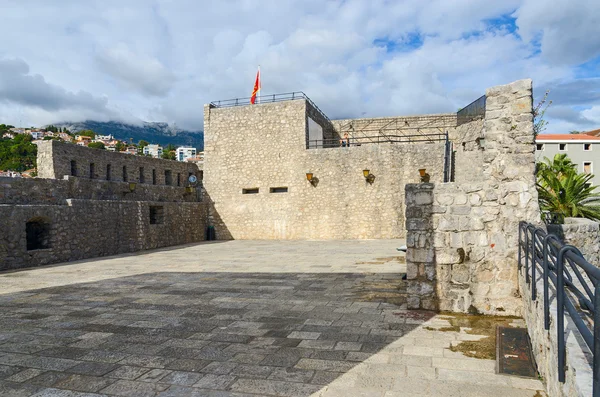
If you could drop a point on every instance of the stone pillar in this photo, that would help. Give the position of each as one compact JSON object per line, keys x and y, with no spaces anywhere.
{"x":420,"y":256}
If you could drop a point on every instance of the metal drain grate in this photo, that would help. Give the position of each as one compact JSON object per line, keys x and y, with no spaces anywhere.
{"x":513,"y":352}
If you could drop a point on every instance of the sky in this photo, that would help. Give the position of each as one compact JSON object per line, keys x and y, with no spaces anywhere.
{"x":162,"y":60}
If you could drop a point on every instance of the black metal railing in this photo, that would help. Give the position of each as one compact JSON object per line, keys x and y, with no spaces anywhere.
{"x":363,"y":140}
{"x":576,"y":283}
{"x":473,"y":111}
{"x":288,"y":96}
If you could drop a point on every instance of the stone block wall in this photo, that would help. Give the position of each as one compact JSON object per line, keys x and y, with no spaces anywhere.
{"x":55,"y":161}
{"x":263,"y":147}
{"x":583,"y":234}
{"x":462,"y":236}
{"x":91,"y":228}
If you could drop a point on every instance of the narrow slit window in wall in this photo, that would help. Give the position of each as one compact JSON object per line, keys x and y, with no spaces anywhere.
{"x":124,"y":173}
{"x":154,"y":177}
{"x":253,"y":190}
{"x":156,"y":215}
{"x":142,"y":178}
{"x":282,"y":189}
{"x":73,"y":168}
{"x":168,"y":178}
{"x":108,"y":172}
{"x":92,"y":170}
{"x":178,"y":179}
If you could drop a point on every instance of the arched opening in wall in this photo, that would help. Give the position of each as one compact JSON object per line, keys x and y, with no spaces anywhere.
{"x":92,"y":170}
{"x":108,"y":172}
{"x":168,"y":178}
{"x":73,"y":168}
{"x":124,"y":173}
{"x":37,"y":231}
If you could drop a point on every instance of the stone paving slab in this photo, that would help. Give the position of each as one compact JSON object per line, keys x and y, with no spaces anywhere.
{"x":237,"y":319}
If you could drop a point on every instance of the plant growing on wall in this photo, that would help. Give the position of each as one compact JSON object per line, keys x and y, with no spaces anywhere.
{"x":539,"y":124}
{"x":561,"y":189}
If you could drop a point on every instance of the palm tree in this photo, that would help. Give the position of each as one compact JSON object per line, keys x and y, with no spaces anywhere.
{"x":562,"y":190}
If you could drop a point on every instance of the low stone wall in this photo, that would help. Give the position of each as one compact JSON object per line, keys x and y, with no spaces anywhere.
{"x":55,"y":191}
{"x":90,"y":228}
{"x":583,"y":234}
{"x":544,"y":343}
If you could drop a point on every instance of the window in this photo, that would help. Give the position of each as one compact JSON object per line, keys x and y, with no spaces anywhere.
{"x":587,"y":147}
{"x":73,"y":168}
{"x":587,"y":167}
{"x":124,"y":173}
{"x":156,"y":215}
{"x":108,"y":172}
{"x":253,"y":190}
{"x":562,"y":147}
{"x":92,"y":170}
{"x":539,"y":147}
{"x":37,"y":231}
{"x":142,"y":178}
{"x":278,"y":190}
{"x":178,"y":179}
{"x":168,"y":178}
{"x":154,"y":177}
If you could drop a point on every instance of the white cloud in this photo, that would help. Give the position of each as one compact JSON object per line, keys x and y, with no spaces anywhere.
{"x":163,"y":60}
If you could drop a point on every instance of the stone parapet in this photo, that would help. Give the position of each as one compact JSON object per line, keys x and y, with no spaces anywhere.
{"x":583,"y":234}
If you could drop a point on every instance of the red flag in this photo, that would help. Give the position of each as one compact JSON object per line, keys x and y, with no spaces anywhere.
{"x":256,"y":88}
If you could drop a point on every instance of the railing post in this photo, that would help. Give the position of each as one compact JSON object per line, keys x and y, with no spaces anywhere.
{"x":527,"y":255}
{"x":546,"y":284}
{"x":596,"y":358}
{"x":560,"y":312}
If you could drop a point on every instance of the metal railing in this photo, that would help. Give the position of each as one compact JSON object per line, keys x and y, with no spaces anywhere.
{"x":576,"y":283}
{"x":474,"y":110}
{"x":363,"y":140}
{"x":288,"y":96}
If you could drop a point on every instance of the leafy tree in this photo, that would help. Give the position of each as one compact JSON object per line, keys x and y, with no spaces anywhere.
{"x":562,"y":190}
{"x":89,"y":133}
{"x":5,"y":127}
{"x":18,"y":154}
{"x":170,"y":148}
{"x":169,"y":155}
{"x":539,"y":124}
{"x":120,"y":146}
{"x":574,"y":132}
{"x":96,"y":145}
{"x":142,"y":143}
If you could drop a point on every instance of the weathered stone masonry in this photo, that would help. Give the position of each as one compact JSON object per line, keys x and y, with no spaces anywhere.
{"x":45,"y":221}
{"x":264,"y":147}
{"x":462,"y":236}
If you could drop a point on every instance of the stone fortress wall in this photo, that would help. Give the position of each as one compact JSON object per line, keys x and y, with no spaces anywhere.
{"x":57,"y":159}
{"x":46,"y":221}
{"x":256,"y":160}
{"x":462,"y":236}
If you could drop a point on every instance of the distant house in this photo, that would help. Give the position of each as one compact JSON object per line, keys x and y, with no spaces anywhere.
{"x":131,"y":150}
{"x":64,"y":136}
{"x":582,"y":149}
{"x":36,"y":134}
{"x":10,"y":174}
{"x":8,"y":135}
{"x":153,"y":150}
{"x":104,"y":137}
{"x":183,"y":153}
{"x":82,"y":140}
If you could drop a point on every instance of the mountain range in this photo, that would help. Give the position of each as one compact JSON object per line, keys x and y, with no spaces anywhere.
{"x":161,"y":133}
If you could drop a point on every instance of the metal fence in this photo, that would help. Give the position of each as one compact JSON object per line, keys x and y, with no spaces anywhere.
{"x":288,"y":96}
{"x":364,"y":140}
{"x":474,"y":110}
{"x":576,"y":283}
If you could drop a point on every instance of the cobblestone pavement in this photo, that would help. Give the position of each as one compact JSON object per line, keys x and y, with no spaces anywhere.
{"x":238,"y":319}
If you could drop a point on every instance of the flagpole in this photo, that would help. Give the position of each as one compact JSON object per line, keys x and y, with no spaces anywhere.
{"x":259,"y":84}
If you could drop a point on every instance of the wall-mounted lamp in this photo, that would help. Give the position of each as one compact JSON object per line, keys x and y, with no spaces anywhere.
{"x":424,"y":175}
{"x":189,"y":189}
{"x":370,"y":178}
{"x":131,"y":186}
{"x":312,"y":179}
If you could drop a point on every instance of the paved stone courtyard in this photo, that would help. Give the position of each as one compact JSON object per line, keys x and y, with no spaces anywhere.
{"x":239,"y":318}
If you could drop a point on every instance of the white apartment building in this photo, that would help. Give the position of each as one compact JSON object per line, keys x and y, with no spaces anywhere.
{"x":183,"y":153}
{"x":153,"y":150}
{"x":582,"y":149}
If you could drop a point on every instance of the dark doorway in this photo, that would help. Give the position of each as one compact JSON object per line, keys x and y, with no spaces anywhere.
{"x":37,"y":231}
